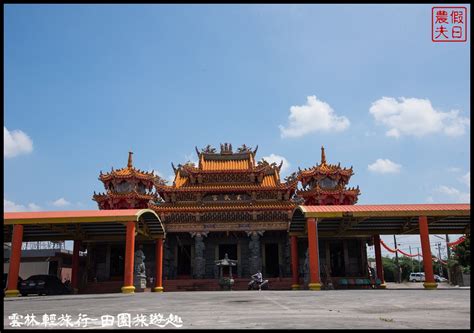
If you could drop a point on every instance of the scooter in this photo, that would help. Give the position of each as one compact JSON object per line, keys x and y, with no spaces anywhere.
{"x":255,"y":285}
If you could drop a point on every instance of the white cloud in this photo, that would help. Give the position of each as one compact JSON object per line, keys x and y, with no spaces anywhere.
{"x":384,"y":166}
{"x":454,"y":194}
{"x":10,"y":206}
{"x":33,"y":207}
{"x":16,"y":143}
{"x":466,"y":179}
{"x":61,"y":202}
{"x":277,"y":159}
{"x":417,"y":117}
{"x":314,"y":116}
{"x":454,"y":169}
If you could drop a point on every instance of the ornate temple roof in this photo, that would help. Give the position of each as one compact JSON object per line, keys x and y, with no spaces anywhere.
{"x":179,"y":207}
{"x":354,"y":191}
{"x":325,"y":169}
{"x":129,"y":172}
{"x":127,"y":195}
{"x":242,"y":161}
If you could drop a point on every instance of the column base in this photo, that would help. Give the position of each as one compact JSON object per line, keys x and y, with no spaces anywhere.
{"x":314,"y":286}
{"x":128,"y":289}
{"x":383,"y":286}
{"x":12,"y":293}
{"x":295,"y":287}
{"x":158,"y":289}
{"x":430,"y":285}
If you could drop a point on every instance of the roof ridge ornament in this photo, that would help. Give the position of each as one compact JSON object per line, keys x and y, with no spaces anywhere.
{"x":323,"y":155}
{"x":130,"y":164}
{"x":279,"y":166}
{"x":244,"y":148}
{"x":209,"y":149}
{"x":226,"y":148}
{"x":255,"y":151}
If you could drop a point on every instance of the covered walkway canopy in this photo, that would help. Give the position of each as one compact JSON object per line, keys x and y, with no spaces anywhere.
{"x":360,"y":220}
{"x":374,"y":220}
{"x":88,"y":225}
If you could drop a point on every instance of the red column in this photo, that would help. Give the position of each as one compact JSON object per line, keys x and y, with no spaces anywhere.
{"x":425,"y":247}
{"x":378,"y":261}
{"x":75,"y":265}
{"x":14,"y":268}
{"x":128,"y":286}
{"x":314,"y":283}
{"x":294,"y":263}
{"x":159,"y":266}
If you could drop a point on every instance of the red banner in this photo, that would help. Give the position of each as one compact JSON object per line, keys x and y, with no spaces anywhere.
{"x":386,"y":247}
{"x":457,"y":242}
{"x":407,"y":254}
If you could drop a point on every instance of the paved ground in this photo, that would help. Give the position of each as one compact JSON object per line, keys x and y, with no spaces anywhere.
{"x":412,"y":307}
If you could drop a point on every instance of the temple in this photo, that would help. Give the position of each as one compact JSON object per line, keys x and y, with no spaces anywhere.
{"x":230,"y":203}
{"x":325,"y":184}
{"x":229,"y":211}
{"x":126,"y":188}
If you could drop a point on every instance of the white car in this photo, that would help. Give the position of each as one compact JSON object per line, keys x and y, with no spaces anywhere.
{"x":417,"y":277}
{"x":440,"y":278}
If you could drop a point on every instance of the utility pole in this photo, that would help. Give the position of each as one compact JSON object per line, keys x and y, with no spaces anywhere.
{"x":396,"y":260}
{"x":409,"y":246}
{"x":449,"y":255}
{"x":439,"y":259}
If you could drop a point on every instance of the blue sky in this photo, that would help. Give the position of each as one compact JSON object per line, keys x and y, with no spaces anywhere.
{"x":86,"y":83}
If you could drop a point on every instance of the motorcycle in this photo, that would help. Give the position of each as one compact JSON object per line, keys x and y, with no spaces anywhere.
{"x":255,"y":285}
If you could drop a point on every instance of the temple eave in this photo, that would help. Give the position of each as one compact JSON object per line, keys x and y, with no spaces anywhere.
{"x":195,"y":208}
{"x":226,"y":226}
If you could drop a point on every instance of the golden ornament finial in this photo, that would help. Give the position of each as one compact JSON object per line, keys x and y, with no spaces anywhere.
{"x":323,"y":156}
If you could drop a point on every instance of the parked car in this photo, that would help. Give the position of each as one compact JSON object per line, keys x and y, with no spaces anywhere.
{"x":43,"y":285}
{"x":416,"y":277}
{"x":5,"y":280}
{"x":440,"y":278}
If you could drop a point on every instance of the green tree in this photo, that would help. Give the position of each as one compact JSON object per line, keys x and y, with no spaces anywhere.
{"x":389,"y":269}
{"x":461,"y":256}
{"x":406,"y":265}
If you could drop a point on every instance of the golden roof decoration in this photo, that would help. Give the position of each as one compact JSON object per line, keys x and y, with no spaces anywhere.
{"x":323,"y":156}
{"x":128,"y":172}
{"x":324,"y":168}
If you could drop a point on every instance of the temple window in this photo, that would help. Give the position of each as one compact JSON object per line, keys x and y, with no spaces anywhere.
{"x":124,"y":186}
{"x":141,"y":188}
{"x":327,"y":182}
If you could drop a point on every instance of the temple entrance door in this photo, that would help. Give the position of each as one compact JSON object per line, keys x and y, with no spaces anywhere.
{"x":184,"y":260}
{"x":231,"y":250}
{"x":336,"y":249}
{"x":117,"y":262}
{"x":272,"y":265}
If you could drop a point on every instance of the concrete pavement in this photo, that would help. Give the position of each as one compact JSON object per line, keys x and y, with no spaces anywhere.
{"x":447,"y":308}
